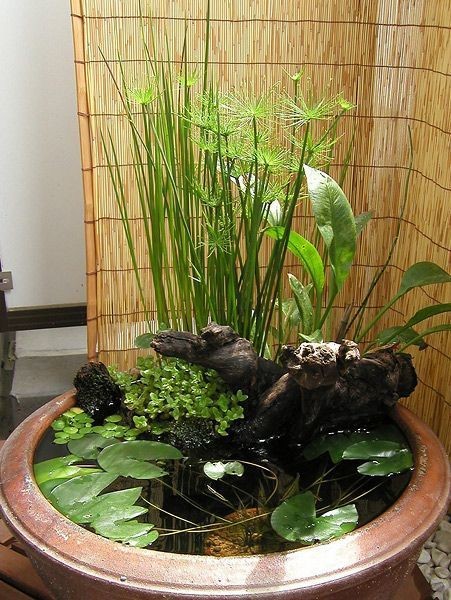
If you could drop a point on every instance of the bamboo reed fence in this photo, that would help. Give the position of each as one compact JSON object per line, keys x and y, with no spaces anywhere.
{"x":392,"y":59}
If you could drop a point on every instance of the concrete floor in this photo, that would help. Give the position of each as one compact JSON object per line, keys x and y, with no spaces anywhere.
{"x":41,"y":365}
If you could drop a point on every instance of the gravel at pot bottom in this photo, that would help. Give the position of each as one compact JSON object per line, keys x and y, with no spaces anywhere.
{"x":435,"y":561}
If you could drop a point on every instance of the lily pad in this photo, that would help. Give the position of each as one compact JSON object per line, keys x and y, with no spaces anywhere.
{"x":45,"y":470}
{"x":217,"y":470}
{"x":401,"y":461}
{"x":80,"y":489}
{"x":337,"y":443}
{"x":295,"y":520}
{"x":89,"y":445}
{"x":130,"y":459}
{"x":372,"y":449}
{"x":130,"y":532}
{"x":107,"y":504}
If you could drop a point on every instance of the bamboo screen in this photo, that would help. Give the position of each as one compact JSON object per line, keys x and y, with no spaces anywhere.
{"x":392,"y":59}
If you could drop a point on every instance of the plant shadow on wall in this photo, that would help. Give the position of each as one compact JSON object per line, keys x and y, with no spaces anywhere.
{"x":230,"y":440}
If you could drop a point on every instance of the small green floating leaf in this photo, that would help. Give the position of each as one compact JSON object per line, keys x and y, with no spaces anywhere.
{"x":217,"y":470}
{"x":234,"y":468}
{"x":130,"y":458}
{"x":295,"y":520}
{"x":337,"y":443}
{"x":113,"y":419}
{"x":89,"y":445}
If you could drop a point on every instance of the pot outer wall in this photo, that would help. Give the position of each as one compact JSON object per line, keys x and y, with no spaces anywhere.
{"x":367,"y":564}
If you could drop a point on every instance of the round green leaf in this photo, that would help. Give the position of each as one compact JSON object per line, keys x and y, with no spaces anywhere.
{"x":214,"y":470}
{"x":234,"y":468}
{"x":295,"y":520}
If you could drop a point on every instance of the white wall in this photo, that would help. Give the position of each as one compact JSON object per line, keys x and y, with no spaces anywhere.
{"x":41,"y":202}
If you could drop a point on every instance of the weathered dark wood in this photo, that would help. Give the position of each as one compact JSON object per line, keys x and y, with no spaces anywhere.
{"x":219,"y":347}
{"x":320,"y":387}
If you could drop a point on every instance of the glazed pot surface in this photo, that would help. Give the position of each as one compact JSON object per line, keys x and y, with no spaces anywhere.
{"x":369,"y":563}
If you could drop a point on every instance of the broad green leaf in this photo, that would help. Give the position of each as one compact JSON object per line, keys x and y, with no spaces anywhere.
{"x":306,"y":252}
{"x":89,"y":446}
{"x":400,"y":334}
{"x":130,"y":459}
{"x":398,"y":463}
{"x":111,"y":501}
{"x":303,"y":302}
{"x":428,"y":311}
{"x":429,"y":331}
{"x":361,"y":221}
{"x":295,"y":520}
{"x":144,"y":340}
{"x":44,"y":471}
{"x":291,"y":312}
{"x":335,"y":221}
{"x":80,"y":489}
{"x":316,"y":336}
{"x":422,"y":273}
{"x":372,"y":449}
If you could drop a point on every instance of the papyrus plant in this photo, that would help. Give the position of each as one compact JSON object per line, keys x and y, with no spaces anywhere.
{"x":212,"y":171}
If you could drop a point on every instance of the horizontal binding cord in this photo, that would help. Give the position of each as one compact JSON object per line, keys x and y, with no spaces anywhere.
{"x":347,"y":116}
{"x":267,"y":20}
{"x":352,"y":165}
{"x":271,"y":63}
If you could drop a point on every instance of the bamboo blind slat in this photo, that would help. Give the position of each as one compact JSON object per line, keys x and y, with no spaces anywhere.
{"x":392,"y":59}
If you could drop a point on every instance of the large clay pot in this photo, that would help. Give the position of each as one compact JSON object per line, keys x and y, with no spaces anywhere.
{"x":369,"y":563}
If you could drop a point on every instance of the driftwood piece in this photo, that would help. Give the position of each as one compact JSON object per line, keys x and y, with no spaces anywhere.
{"x":320,"y":387}
{"x":219,"y":347}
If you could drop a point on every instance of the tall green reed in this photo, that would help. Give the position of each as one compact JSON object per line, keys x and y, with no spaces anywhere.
{"x":213,"y":171}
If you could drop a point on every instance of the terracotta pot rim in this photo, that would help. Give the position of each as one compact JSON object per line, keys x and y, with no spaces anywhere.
{"x":361,"y":553}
